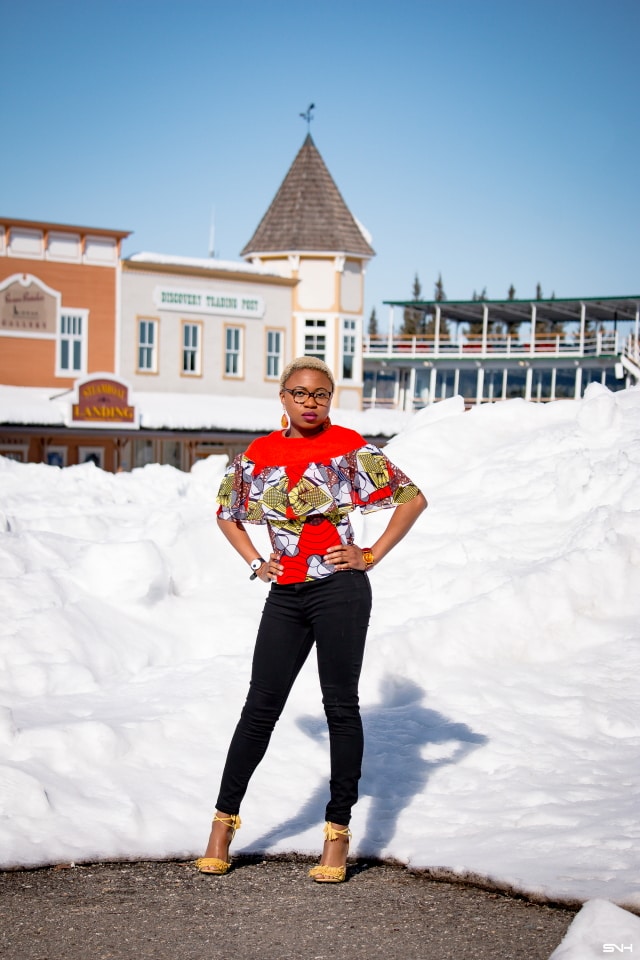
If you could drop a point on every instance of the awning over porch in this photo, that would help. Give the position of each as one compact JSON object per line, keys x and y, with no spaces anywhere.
{"x":555,"y":310}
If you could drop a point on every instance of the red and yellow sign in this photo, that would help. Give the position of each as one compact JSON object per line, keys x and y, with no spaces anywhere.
{"x":103,"y":401}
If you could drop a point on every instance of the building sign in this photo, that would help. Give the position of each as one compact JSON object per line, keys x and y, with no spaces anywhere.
{"x":204,"y":301}
{"x":102,"y":401}
{"x":28,"y":307}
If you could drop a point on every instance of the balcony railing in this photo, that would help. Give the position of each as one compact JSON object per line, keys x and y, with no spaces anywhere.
{"x":419,"y":347}
{"x":632,"y":349}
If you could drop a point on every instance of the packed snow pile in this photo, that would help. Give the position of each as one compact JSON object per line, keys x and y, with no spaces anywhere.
{"x":500,"y":693}
{"x":600,"y":929}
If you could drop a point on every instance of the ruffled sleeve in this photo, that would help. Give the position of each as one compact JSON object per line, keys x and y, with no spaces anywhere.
{"x":234,"y":490}
{"x":285,"y":497}
{"x":376,"y":482}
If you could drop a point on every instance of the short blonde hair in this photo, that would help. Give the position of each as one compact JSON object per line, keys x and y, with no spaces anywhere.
{"x":306,"y":363}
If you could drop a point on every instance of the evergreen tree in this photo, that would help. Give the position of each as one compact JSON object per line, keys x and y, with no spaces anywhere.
{"x":496,"y":329}
{"x":548,"y":329}
{"x":372,"y":329}
{"x":413,"y":321}
{"x":429,"y":323}
{"x":430,"y":328}
{"x":474,"y":330}
{"x":512,"y":327}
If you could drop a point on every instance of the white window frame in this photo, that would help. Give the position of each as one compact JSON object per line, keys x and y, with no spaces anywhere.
{"x":234,"y":352}
{"x":349,"y":347}
{"x":150,"y":347}
{"x":191,"y":349}
{"x":274,"y":353}
{"x":316,"y":339}
{"x":73,"y":330}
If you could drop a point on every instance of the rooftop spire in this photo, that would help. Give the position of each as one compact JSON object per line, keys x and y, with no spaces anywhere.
{"x":308,"y":213}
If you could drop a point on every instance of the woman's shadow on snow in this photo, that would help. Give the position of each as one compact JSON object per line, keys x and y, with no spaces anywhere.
{"x":404,"y":744}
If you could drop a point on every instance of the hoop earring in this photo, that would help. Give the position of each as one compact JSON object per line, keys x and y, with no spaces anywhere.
{"x":284,"y":420}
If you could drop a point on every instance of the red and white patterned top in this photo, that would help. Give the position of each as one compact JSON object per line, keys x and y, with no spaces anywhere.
{"x":304,"y":490}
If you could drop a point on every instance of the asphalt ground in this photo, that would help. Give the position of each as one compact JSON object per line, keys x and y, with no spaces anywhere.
{"x":265,"y":909}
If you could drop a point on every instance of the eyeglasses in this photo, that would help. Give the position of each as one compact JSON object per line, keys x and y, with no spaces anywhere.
{"x":300,"y":395}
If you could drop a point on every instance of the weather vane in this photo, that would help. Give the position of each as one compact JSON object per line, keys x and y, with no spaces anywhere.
{"x":307,"y":116}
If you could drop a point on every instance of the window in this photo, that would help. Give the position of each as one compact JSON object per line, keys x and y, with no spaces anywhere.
{"x":274,"y":354}
{"x":468,"y":385}
{"x":144,"y":452}
{"x":191,"y":349}
{"x":348,"y":349}
{"x":516,"y":383}
{"x":565,"y":383}
{"x":422,"y":387}
{"x":71,"y":346}
{"x":542,"y":384}
{"x":445,"y":384}
{"x":91,"y":455}
{"x":148,"y":346}
{"x":55,"y":456}
{"x":494,"y":386}
{"x":590,"y":376}
{"x":614,"y":377}
{"x":380,"y":388}
{"x":315,"y":338}
{"x":233,"y":352}
{"x":171,"y":453}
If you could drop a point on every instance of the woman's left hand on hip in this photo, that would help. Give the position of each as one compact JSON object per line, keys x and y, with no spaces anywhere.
{"x":345,"y":556}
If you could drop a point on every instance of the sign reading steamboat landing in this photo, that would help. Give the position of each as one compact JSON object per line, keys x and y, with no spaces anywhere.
{"x":200,"y":301}
{"x":102,"y":401}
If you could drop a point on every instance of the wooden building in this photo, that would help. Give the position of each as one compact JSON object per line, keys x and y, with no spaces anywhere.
{"x":93,"y":333}
{"x":492,"y":350}
{"x":309,"y":234}
{"x":59,"y":302}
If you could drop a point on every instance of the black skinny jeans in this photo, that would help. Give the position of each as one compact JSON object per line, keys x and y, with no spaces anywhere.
{"x":334,"y":613}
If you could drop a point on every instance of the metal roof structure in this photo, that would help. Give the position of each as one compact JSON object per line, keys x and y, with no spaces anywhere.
{"x":561,"y":310}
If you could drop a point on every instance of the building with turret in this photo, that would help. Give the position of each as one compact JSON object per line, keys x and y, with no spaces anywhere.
{"x":160,"y":358}
{"x":121,"y":342}
{"x":309,"y":234}
{"x":229,"y":328}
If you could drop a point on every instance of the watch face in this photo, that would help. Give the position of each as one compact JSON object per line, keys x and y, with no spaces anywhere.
{"x":256,"y":564}
{"x":367,"y":556}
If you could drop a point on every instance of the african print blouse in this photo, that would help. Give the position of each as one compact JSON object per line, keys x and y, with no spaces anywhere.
{"x":304,"y":491}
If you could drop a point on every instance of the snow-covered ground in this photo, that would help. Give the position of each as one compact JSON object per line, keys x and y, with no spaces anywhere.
{"x":500,"y":692}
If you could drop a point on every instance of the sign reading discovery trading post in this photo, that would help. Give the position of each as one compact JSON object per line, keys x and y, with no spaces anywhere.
{"x":193,"y":300}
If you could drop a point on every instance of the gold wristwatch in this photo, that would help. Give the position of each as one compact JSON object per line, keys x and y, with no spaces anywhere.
{"x":368,"y":557}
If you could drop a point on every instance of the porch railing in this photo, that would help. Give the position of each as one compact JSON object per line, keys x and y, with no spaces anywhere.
{"x":408,"y":347}
{"x":631,"y":349}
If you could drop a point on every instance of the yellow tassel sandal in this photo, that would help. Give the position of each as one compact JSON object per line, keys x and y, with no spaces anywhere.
{"x":326,"y":874}
{"x":215,"y":865}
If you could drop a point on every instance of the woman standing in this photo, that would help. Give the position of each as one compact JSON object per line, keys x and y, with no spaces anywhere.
{"x":303,"y":482}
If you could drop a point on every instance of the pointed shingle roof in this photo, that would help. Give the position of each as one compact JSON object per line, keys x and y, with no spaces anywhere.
{"x":308,"y":213}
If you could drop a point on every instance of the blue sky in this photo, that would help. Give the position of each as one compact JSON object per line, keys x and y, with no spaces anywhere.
{"x":494,"y":142}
